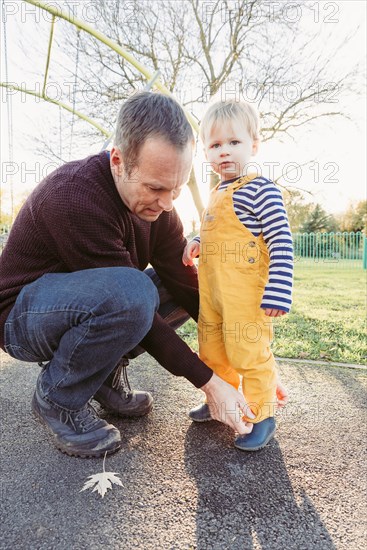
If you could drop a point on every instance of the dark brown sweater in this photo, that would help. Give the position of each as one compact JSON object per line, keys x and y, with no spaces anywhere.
{"x":75,"y":219}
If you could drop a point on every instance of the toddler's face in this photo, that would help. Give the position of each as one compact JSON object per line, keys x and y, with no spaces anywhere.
{"x":228,"y":148}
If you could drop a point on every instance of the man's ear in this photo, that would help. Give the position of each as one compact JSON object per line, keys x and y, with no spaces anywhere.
{"x":255,"y":146}
{"x":116,"y":160}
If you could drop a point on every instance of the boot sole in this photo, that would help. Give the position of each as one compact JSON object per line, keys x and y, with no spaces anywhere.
{"x":115,"y":446}
{"x":258,"y":447}
{"x":201,"y":420}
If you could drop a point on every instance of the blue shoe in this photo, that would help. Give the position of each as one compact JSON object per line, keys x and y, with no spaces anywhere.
{"x":261,"y":434}
{"x":200,"y":413}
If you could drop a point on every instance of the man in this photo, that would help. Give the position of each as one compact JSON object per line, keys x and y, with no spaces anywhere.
{"x":73,"y":291}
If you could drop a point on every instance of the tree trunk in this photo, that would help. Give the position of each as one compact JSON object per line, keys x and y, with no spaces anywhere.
{"x":214,"y":180}
{"x":193,"y":186}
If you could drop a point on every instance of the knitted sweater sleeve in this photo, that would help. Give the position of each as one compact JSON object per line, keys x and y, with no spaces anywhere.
{"x":181,"y":281}
{"x":92,"y":237}
{"x":161,"y":341}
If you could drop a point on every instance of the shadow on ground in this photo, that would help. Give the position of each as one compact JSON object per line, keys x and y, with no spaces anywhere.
{"x":185,"y":486}
{"x":249,"y":499}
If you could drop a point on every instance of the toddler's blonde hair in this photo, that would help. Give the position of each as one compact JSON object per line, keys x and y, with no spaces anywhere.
{"x":224,"y":111}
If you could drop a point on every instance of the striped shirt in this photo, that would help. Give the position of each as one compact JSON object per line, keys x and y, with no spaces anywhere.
{"x":260,"y":208}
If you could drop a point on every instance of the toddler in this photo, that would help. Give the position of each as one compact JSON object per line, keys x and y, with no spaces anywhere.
{"x":245,"y":268}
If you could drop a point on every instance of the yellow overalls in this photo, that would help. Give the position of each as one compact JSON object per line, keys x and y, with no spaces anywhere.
{"x":234,"y":332}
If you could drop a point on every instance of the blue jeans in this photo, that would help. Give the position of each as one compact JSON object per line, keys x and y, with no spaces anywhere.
{"x":82,"y":323}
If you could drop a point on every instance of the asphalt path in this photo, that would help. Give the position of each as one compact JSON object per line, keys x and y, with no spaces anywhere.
{"x":185,"y":486}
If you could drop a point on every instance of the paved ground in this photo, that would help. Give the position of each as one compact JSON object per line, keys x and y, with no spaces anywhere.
{"x":185,"y":486}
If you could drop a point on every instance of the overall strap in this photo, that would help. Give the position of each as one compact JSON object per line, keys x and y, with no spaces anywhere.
{"x":243,"y":180}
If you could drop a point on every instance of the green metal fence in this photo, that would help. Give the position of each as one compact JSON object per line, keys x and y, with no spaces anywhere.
{"x":342,"y":249}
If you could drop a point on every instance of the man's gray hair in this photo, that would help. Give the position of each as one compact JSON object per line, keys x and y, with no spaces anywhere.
{"x":147,"y":115}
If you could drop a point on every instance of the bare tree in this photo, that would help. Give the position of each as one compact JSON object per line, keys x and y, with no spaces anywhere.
{"x":234,"y":49}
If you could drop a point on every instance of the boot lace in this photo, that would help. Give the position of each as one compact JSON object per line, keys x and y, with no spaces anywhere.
{"x":120,"y":381}
{"x":86,"y":419}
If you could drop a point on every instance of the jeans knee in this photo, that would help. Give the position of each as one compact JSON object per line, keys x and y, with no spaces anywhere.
{"x":144,"y":298}
{"x":132,"y":296}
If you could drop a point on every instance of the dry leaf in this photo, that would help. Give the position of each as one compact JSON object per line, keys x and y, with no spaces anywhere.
{"x":102,"y":481}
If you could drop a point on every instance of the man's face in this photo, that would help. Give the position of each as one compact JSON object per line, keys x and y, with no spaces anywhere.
{"x":228,"y":148}
{"x":155,"y":181}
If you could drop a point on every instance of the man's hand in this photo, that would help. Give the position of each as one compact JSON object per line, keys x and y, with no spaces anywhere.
{"x":227,"y":405}
{"x":192,"y":249}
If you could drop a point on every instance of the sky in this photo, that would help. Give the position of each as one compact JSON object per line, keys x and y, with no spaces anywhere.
{"x":336,"y":177}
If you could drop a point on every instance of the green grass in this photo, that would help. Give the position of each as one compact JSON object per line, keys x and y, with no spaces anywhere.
{"x":328,"y":317}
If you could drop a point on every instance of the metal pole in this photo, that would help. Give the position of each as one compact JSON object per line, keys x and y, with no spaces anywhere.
{"x":59,"y":103}
{"x":111,"y":44}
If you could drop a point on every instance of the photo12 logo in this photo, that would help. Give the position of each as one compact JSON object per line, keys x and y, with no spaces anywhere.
{"x":90,"y":12}
{"x":252,"y":91}
{"x":23,"y":171}
{"x":64,"y":91}
{"x":290,"y":172}
{"x":272,"y":11}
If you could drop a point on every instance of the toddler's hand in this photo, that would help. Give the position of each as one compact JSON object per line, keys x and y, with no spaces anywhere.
{"x":192,"y":249}
{"x":274,"y":312}
{"x":282,"y":395}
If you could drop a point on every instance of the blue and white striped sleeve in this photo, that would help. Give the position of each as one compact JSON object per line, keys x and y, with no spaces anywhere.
{"x":270,"y":211}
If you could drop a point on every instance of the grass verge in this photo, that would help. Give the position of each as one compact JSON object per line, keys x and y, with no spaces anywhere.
{"x":328,"y":317}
